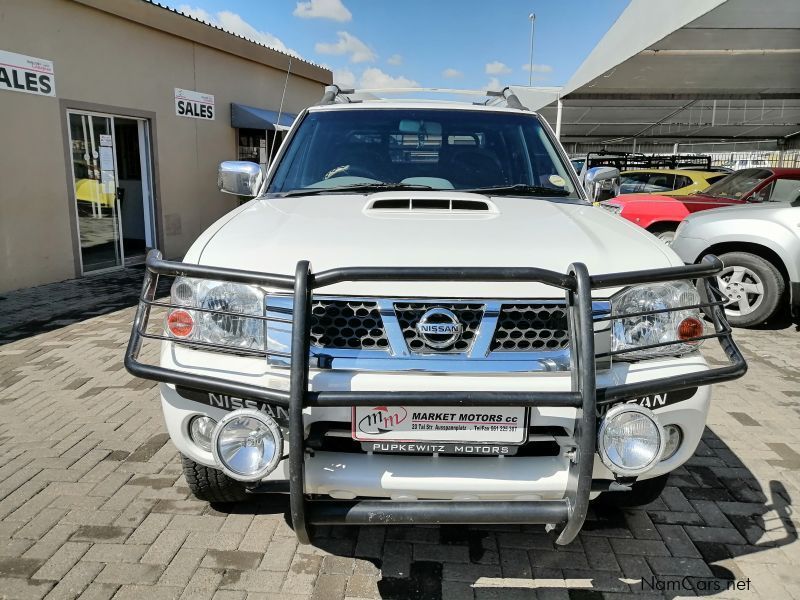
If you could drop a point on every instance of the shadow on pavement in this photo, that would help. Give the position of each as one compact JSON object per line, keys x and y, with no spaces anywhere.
{"x":713,"y":511}
{"x":783,"y":319}
{"x":32,"y":311}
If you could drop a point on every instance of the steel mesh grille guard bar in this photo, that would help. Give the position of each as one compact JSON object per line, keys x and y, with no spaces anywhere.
{"x":569,"y":513}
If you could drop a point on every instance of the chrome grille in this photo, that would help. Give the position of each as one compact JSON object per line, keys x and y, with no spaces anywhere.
{"x":409,"y":314}
{"x":347,"y":324}
{"x":379,"y":334}
{"x":531,"y":327}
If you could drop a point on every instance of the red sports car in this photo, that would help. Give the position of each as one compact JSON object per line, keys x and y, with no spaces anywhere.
{"x":661,"y":215}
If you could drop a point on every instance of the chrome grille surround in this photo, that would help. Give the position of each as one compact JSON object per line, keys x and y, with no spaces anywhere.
{"x":397,"y":356}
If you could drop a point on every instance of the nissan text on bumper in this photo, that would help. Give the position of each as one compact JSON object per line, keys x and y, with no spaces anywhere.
{"x":445,"y":386}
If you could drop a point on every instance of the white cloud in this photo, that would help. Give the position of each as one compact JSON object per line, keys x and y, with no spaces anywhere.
{"x":494,"y":84}
{"x":348,"y":44}
{"x":344,"y":78}
{"x":395,"y":59}
{"x":234,"y":23}
{"x":537,"y":68}
{"x":497,"y":68}
{"x":323,"y":9}
{"x":197,"y":12}
{"x":452,"y":73}
{"x":375,"y":78}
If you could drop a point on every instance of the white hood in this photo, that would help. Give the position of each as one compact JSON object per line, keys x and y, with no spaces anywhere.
{"x":272,"y":235}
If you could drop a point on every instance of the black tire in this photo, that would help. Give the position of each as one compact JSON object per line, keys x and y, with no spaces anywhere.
{"x":771,"y":280}
{"x":664,"y":232}
{"x":642,"y":492}
{"x":210,"y":484}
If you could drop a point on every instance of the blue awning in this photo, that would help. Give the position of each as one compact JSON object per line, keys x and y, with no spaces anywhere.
{"x":250,"y":117}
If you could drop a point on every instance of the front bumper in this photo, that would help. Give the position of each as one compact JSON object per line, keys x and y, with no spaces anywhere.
{"x":345,"y":475}
{"x":563,"y":500}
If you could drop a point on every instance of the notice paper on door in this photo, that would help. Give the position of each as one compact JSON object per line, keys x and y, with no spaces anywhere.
{"x":106,"y":159}
{"x":105,"y":140}
{"x":107,"y":176}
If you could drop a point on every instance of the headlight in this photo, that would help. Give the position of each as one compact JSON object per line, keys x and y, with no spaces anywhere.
{"x":666,"y":326}
{"x":235,"y":330}
{"x":613,"y":208}
{"x":630,"y":440}
{"x":247,"y":444}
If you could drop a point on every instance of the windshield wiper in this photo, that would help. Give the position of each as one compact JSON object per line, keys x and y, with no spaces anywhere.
{"x":519,"y":189}
{"x":358,"y":187}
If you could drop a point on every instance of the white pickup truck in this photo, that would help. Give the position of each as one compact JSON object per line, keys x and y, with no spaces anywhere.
{"x":421,"y":318}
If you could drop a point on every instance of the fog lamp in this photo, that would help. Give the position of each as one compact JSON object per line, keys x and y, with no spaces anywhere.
{"x":630,"y":440}
{"x":201,"y":429}
{"x":674,"y":438}
{"x":247,"y":444}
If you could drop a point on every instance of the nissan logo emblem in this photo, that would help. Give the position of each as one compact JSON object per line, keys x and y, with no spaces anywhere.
{"x":439,"y":328}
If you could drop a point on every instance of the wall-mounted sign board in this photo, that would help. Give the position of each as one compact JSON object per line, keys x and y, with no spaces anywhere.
{"x":20,"y":73}
{"x":195,"y":105}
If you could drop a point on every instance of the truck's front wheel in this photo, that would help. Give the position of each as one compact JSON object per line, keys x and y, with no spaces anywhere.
{"x":210,"y":484}
{"x":642,"y":492}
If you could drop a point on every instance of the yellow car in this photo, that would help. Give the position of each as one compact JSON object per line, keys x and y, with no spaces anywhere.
{"x":91,"y":190}
{"x":667,"y":182}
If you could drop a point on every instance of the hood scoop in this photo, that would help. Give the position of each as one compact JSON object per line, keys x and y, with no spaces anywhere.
{"x":440,"y":205}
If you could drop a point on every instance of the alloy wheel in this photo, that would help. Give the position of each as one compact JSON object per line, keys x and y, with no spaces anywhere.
{"x":744,"y":289}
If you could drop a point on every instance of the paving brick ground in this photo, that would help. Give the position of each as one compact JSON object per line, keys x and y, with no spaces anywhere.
{"x":93,"y":504}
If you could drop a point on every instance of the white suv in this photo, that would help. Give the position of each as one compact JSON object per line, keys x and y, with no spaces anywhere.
{"x":420,"y":318}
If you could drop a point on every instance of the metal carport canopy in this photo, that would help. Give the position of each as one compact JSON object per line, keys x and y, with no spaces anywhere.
{"x":685,"y":70}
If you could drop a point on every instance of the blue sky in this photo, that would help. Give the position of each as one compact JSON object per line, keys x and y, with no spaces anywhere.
{"x":431,"y":43}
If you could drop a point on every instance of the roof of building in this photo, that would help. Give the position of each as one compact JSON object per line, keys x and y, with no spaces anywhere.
{"x":163,"y":18}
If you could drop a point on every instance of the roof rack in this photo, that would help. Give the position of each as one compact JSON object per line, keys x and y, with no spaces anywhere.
{"x":626,"y":161}
{"x":334,"y":93}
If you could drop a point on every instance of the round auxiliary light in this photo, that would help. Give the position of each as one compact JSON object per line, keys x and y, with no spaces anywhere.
{"x":630,"y":440}
{"x":247,"y":444}
{"x":674,"y":439}
{"x":201,"y":428}
{"x":690,"y":328}
{"x":180,"y":323}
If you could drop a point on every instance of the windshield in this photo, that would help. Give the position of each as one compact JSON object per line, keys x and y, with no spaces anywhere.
{"x":738,"y":184}
{"x":437,"y":149}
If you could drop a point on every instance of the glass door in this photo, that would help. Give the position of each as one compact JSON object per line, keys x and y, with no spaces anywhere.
{"x":94,"y":178}
{"x":133,"y":187}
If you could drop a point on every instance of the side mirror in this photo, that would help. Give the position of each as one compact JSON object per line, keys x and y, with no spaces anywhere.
{"x":241,"y":178}
{"x":601,"y":183}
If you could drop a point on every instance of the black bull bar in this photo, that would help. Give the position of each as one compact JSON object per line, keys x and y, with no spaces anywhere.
{"x":568,"y":513}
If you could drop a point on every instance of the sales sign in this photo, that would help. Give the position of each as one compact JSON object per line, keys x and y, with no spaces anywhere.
{"x":195,"y":105}
{"x":20,"y":73}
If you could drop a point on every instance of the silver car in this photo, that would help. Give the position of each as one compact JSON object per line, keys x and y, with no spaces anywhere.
{"x":760,"y":247}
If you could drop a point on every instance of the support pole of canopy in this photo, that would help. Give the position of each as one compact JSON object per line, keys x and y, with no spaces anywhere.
{"x":558,"y":117}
